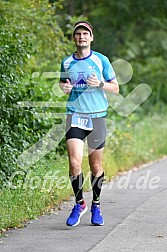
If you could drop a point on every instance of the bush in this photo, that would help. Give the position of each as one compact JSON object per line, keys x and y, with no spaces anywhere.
{"x":21,"y":53}
{"x":14,"y":51}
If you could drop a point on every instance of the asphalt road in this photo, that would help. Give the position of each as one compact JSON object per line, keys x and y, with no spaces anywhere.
{"x":134,"y":206}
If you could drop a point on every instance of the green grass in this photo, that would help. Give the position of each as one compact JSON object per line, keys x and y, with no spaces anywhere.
{"x":33,"y":192}
{"x":135,"y":141}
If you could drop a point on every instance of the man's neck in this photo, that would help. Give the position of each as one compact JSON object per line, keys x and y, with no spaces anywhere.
{"x":82,"y":53}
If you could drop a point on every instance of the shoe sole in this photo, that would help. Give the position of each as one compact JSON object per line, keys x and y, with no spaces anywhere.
{"x":96,"y":224}
{"x":82,"y":213}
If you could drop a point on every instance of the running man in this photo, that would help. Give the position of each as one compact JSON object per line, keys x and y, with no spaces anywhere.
{"x":85,"y":76}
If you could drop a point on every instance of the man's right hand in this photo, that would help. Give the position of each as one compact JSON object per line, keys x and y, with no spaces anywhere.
{"x":66,"y":87}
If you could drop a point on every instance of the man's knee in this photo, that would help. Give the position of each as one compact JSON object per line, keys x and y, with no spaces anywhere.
{"x":75,"y":166}
{"x":96,"y":168}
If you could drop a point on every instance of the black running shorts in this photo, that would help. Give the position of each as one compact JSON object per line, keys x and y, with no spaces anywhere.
{"x":95,"y":138}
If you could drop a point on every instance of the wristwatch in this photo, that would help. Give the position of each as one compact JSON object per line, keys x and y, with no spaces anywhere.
{"x":101,"y":84}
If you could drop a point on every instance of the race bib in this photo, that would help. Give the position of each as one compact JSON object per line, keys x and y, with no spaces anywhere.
{"x":82,"y":121}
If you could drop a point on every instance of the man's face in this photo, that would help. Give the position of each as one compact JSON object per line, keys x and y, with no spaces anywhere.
{"x":83,"y":38}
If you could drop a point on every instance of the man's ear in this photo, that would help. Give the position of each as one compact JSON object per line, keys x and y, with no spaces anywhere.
{"x":92,"y":37}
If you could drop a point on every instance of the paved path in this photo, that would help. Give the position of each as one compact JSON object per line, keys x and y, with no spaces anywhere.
{"x":134,"y":206}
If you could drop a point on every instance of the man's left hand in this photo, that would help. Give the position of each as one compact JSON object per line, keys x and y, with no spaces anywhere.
{"x":93,"y":81}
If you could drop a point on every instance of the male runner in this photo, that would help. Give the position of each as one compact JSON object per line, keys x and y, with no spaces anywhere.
{"x":85,"y":76}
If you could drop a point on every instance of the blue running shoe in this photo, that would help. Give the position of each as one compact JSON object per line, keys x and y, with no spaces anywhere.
{"x":97,"y":218}
{"x":77,"y":211}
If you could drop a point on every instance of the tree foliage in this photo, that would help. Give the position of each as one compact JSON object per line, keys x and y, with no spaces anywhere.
{"x":31,"y":40}
{"x":13,"y":53}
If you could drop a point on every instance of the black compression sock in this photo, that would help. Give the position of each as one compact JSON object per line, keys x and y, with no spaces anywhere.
{"x":96,"y":186}
{"x":77,"y":185}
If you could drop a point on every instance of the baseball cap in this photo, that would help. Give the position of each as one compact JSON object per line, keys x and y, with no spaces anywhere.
{"x":85,"y":24}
